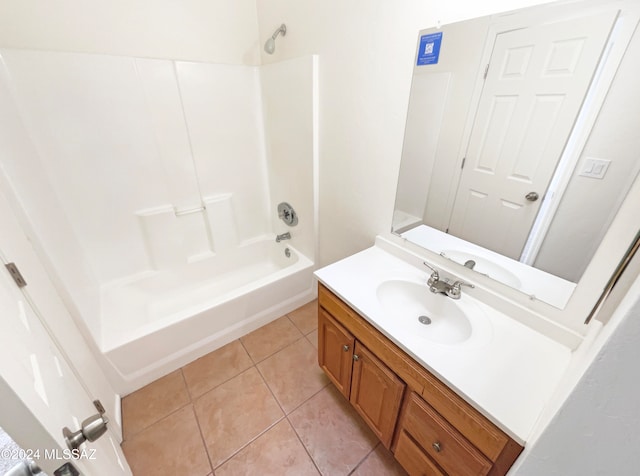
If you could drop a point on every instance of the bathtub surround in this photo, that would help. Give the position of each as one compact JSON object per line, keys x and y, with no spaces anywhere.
{"x":155,"y":167}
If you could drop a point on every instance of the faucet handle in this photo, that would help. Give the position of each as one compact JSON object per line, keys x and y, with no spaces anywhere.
{"x":435,"y":276}
{"x":455,"y":290}
{"x":459,"y":284}
{"x":430,"y":266}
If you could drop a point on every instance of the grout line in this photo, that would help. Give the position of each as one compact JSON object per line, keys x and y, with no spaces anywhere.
{"x":198,"y":397}
{"x":246,"y":350}
{"x":248,"y":442}
{"x":276,"y":398}
{"x":129,"y":437}
{"x":316,"y":393}
{"x":156,"y":422}
{"x":278,"y":350}
{"x":283,"y":417}
{"x":310,"y":341}
{"x":271,"y":391}
{"x":204,"y":441}
{"x":303,"y":445}
{"x":184,"y":380}
{"x":193,"y":399}
{"x":293,"y":323}
{"x":365,"y":457}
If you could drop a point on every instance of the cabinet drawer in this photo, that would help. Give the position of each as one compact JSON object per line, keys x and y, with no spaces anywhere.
{"x":442,"y":442}
{"x":334,"y":305}
{"x":413,"y":459}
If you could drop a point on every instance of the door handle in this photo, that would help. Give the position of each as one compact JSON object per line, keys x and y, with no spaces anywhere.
{"x":532,"y":196}
{"x":24,"y":469}
{"x":92,"y":428}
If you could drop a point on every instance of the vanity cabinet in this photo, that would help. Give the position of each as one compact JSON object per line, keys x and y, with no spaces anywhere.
{"x":371,"y":387}
{"x":428,"y":427}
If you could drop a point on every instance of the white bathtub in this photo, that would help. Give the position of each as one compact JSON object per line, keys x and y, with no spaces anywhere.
{"x":159,"y":321}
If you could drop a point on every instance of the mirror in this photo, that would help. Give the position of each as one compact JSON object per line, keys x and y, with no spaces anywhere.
{"x":519,"y":145}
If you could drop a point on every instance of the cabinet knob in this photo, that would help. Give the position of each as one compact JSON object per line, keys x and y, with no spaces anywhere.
{"x":345,"y":348}
{"x":437,"y":447}
{"x":355,"y":357}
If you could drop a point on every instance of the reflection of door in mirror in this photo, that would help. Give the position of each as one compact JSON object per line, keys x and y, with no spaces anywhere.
{"x":536,"y":83}
{"x":456,"y":117}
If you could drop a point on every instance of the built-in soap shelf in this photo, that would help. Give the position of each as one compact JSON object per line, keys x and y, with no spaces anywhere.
{"x":175,"y":236}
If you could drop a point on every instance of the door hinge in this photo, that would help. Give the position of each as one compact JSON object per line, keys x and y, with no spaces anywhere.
{"x":15,"y":274}
{"x":486,"y":71}
{"x":464,"y":159}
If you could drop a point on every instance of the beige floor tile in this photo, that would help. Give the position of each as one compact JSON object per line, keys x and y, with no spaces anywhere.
{"x":313,"y":338}
{"x":335,"y":436}
{"x":305,"y":317}
{"x":277,"y":452}
{"x":380,"y":462}
{"x":270,"y":338}
{"x":153,"y":402}
{"x":293,"y":374}
{"x":215,"y":368}
{"x":169,"y":447}
{"x":234,"y":413}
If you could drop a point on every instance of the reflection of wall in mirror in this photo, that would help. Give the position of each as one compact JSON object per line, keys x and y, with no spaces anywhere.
{"x":590,"y":204}
{"x":459,"y":60}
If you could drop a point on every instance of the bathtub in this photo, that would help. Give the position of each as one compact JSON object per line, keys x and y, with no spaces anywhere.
{"x":158,"y":321}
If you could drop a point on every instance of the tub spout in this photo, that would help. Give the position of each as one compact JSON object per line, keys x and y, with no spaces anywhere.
{"x":284,"y":236}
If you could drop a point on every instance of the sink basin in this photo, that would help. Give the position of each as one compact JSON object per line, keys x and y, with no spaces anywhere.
{"x":434,"y":317}
{"x":485,"y":266}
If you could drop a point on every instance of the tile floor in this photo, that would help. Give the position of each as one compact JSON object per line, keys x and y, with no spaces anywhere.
{"x":258,"y":406}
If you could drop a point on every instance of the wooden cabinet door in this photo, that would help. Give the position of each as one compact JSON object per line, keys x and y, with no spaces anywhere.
{"x":376,"y":393}
{"x":335,"y":351}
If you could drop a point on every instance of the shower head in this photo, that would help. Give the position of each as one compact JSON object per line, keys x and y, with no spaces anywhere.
{"x":270,"y":45}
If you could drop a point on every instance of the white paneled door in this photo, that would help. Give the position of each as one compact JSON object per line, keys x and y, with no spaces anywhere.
{"x":36,"y":376}
{"x":536,"y":83}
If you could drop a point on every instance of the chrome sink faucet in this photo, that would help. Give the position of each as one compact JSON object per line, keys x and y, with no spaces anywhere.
{"x":436,"y":285}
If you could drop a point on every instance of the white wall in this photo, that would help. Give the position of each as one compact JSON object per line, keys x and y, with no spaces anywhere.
{"x":366,"y":51}
{"x":220,"y":31}
{"x":595,"y":431}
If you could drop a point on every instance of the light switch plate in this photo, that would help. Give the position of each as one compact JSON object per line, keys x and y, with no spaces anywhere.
{"x":594,"y":168}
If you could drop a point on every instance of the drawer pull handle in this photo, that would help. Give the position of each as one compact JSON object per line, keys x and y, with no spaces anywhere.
{"x":437,"y":447}
{"x":355,"y":357}
{"x":345,"y":348}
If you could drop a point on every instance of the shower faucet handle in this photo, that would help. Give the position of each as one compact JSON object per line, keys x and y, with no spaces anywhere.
{"x":287,"y":214}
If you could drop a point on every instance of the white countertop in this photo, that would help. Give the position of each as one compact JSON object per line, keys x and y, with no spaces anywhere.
{"x":508,"y":373}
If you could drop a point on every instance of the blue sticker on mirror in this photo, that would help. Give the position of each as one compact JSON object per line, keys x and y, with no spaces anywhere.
{"x":429,"y":49}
